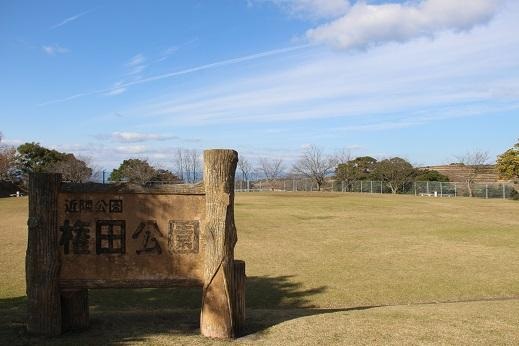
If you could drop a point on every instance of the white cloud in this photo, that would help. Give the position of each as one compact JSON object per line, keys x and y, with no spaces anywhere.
{"x":133,"y":137}
{"x":366,"y":25}
{"x":136,"y":65}
{"x":136,"y":60}
{"x":131,"y":149}
{"x":11,"y":142}
{"x":314,"y":8}
{"x":71,"y":19}
{"x":54,"y":49}
{"x":221,"y":63}
{"x":456,"y":74}
{"x":107,"y":156}
{"x":117,"y":89}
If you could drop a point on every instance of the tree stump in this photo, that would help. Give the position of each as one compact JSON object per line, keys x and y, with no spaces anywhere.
{"x":218,"y":299}
{"x":42,"y":263}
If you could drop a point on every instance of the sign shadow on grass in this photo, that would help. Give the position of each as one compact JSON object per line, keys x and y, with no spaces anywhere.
{"x":133,"y":315}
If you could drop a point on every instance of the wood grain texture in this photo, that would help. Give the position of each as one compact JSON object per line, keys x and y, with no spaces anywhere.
{"x":161,"y":283}
{"x":174,"y":189}
{"x":216,"y":318}
{"x":42,"y":263}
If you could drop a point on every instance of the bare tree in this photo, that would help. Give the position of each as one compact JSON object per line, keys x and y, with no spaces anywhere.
{"x":245,"y":168}
{"x":193,"y":165}
{"x":188,"y":164}
{"x":7,"y":161}
{"x":343,"y":155}
{"x":179,"y":163}
{"x":271,"y":169}
{"x":315,"y":164}
{"x":476,"y":162}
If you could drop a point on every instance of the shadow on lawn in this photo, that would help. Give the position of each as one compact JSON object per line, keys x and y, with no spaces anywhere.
{"x":130,"y":315}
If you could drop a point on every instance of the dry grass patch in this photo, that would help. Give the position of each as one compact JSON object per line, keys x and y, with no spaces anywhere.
{"x":317,"y":264}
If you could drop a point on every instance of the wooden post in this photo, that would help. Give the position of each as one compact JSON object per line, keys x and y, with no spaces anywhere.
{"x":239,"y":304}
{"x":42,"y":262}
{"x":74,"y":309}
{"x":217,"y":319}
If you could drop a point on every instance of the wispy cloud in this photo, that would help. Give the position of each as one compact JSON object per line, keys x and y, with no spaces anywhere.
{"x":65,"y":99}
{"x":71,"y":19}
{"x":366,"y":25}
{"x":458,"y":73}
{"x":136,"y":65}
{"x":136,"y":60}
{"x":174,"y":49}
{"x":54,"y":49}
{"x":194,"y":69}
{"x":131,"y":149}
{"x":135,"y":137}
{"x":116,"y":89}
{"x":312,"y":9}
{"x":108,"y":155}
{"x":11,"y":142}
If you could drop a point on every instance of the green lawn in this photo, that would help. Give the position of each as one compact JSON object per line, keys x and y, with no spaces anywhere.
{"x":324,"y":268}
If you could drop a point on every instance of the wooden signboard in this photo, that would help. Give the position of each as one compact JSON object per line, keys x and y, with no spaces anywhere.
{"x":85,"y":236}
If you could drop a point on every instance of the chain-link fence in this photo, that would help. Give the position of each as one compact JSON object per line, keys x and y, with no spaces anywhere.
{"x":420,"y":188}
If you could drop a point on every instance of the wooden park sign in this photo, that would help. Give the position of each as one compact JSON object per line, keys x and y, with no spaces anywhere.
{"x":85,"y":236}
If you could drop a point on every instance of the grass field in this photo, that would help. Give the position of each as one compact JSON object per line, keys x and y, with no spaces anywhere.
{"x":323,"y":268}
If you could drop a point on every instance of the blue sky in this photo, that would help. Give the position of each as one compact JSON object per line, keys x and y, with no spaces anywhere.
{"x":425,"y":80}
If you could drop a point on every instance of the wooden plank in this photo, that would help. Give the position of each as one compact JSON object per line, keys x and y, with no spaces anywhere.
{"x":182,"y":282}
{"x":119,"y":188}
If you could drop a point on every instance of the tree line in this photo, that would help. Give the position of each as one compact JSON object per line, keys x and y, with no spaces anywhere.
{"x":16,"y":163}
{"x":313,"y":163}
{"x":395,"y":172}
{"x":316,"y":165}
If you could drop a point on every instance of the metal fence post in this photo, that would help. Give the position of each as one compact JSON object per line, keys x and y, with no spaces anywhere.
{"x":342,"y":186}
{"x":455,"y":190}
{"x":504,"y":191}
{"x":428,"y":188}
{"x":486,"y":191}
{"x":361,"y":186}
{"x":441,"y":189}
{"x":371,"y":186}
{"x":415,"y":188}
{"x":381,"y":187}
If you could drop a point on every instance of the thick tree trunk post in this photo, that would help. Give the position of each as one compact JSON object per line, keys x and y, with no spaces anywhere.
{"x":218,"y":299}
{"x":74,"y":309}
{"x":42,"y":262}
{"x":239,"y":304}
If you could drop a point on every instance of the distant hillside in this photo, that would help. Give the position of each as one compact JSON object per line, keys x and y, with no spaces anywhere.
{"x":459,"y":172}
